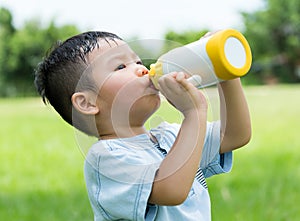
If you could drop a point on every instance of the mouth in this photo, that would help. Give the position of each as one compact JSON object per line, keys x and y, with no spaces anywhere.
{"x":149,"y":84}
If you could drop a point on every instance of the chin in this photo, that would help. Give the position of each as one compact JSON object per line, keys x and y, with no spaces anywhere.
{"x":157,"y":100}
{"x":145,"y":107}
{"x":151,"y":102}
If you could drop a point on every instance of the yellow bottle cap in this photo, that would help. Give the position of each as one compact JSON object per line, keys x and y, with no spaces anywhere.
{"x":230,"y":54}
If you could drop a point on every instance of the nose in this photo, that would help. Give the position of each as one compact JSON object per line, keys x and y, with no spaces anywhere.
{"x":141,"y":71}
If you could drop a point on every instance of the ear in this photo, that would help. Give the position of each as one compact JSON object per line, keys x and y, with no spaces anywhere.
{"x":85,"y":103}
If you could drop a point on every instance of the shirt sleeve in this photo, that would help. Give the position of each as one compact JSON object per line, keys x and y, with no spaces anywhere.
{"x":119,"y":184}
{"x":212,"y":161}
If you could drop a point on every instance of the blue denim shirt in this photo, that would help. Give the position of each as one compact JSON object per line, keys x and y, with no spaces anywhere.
{"x":119,"y":174}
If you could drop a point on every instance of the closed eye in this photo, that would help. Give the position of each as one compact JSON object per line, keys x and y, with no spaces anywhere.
{"x":140,"y":62}
{"x":120,"y":67}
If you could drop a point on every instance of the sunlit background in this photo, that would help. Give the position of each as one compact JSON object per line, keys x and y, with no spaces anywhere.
{"x":148,"y":19}
{"x":41,"y":162}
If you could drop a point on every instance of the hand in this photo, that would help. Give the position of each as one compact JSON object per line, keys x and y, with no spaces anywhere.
{"x":180,"y":93}
{"x":182,"y":161}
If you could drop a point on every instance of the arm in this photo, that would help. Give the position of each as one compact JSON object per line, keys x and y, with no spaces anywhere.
{"x":235,"y":117}
{"x":177,"y":171}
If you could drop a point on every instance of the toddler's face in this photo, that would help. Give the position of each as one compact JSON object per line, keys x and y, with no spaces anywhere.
{"x":122,"y":79}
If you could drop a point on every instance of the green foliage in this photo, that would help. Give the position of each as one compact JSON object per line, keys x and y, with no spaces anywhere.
{"x":185,"y":37}
{"x":150,"y":50}
{"x":174,"y":39}
{"x":273,"y":33}
{"x":6,"y":21}
{"x":21,"y":50}
{"x":6,"y":32}
{"x":274,"y":36}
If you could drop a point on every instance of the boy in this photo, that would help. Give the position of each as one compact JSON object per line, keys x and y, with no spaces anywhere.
{"x":99,"y":85}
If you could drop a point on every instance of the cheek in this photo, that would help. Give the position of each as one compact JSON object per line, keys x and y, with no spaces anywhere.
{"x":112,"y":87}
{"x":146,"y":104}
{"x":118,"y":93}
{"x":123,"y":86}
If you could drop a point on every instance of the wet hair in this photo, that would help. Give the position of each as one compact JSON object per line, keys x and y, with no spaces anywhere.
{"x":58,"y":74}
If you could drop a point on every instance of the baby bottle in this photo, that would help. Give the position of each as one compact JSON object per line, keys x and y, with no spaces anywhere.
{"x":225,"y":55}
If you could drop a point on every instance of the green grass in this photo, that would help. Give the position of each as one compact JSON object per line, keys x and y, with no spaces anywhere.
{"x":41,"y":164}
{"x":264,"y":182}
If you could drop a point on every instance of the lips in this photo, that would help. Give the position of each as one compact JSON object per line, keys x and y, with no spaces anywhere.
{"x":149,"y":86}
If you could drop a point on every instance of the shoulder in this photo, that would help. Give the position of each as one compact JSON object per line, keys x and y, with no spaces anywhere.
{"x":124,"y":150}
{"x":123,"y":153}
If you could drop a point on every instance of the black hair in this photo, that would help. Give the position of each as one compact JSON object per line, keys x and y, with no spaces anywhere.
{"x":58,"y":75}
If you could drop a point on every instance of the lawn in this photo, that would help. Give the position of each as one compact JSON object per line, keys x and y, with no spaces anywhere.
{"x":264,"y":182}
{"x":41,"y":162}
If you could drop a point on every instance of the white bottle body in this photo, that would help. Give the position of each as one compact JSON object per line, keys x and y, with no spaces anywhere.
{"x":183,"y":59}
{"x":224,"y":55}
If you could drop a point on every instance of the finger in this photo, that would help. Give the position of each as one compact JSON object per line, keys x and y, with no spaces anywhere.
{"x":180,"y":76}
{"x":195,"y":80}
{"x":163,"y":84}
{"x":175,"y":74}
{"x":169,"y":85}
{"x":182,"y":79}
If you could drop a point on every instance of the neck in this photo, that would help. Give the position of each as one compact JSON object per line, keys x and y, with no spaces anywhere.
{"x":123,"y":132}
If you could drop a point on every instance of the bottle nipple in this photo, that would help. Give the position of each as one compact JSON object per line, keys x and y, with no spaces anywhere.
{"x":152,"y":70}
{"x":156,"y":71}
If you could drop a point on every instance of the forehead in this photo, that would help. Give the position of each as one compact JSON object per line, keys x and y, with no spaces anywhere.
{"x":105,"y":58}
{"x":110,"y":48}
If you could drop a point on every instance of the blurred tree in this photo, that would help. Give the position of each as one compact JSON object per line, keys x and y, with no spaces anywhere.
{"x":22,"y":50}
{"x":274,"y":35}
{"x":6,"y":21}
{"x":6,"y":32}
{"x":149,"y":50}
{"x":174,"y":39}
